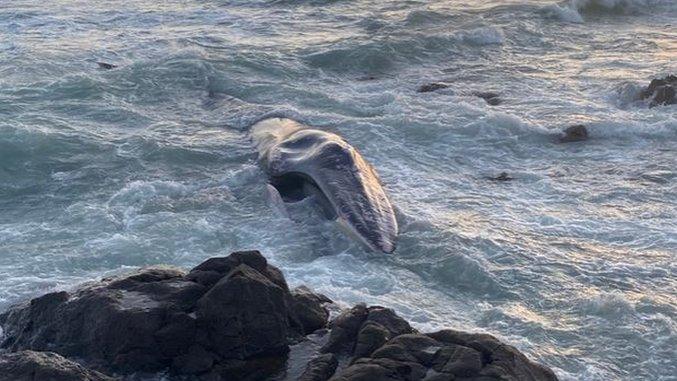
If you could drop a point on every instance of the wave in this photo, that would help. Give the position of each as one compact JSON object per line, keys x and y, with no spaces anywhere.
{"x":490,"y":35}
{"x":379,"y":56}
{"x":575,"y":10}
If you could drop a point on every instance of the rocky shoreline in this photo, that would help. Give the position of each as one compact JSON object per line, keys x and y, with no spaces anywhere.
{"x":234,"y":318}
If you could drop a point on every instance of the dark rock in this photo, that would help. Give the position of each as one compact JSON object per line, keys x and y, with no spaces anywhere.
{"x":458,"y":360}
{"x":445,"y":355}
{"x":197,"y":360}
{"x":381,"y":369}
{"x":491,"y":98}
{"x":664,"y":95}
{"x":106,"y":66}
{"x":661,"y":91}
{"x":44,"y":366}
{"x":245,"y":315}
{"x":388,"y":319}
{"x":229,"y":316}
{"x":431,"y":87}
{"x":499,"y":360}
{"x":207,"y":270}
{"x":575,"y":133}
{"x":234,"y":318}
{"x":308,"y":310}
{"x":419,"y":347}
{"x":371,"y":337}
{"x":346,"y":329}
{"x":320,"y":368}
{"x":503,"y":176}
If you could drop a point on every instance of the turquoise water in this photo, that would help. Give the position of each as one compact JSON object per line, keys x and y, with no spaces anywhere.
{"x":573,"y":262}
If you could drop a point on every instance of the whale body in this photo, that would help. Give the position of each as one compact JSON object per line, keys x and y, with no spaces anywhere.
{"x":301,"y":161}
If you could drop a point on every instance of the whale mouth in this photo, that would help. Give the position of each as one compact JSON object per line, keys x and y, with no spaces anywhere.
{"x":347,"y":200}
{"x":302,"y":162}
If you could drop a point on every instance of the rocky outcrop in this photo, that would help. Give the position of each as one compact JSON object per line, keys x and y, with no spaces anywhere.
{"x":106,"y":66}
{"x":445,"y":355}
{"x":229,"y":317}
{"x":575,"y":133}
{"x":234,"y":318}
{"x":361,"y":330}
{"x":492,"y":99}
{"x":44,"y":366}
{"x":379,"y":345}
{"x":429,"y":87}
{"x":503,"y":176}
{"x":308,"y":309}
{"x":320,"y":368}
{"x":661,"y":91}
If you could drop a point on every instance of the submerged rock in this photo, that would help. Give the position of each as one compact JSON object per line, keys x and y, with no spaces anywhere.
{"x":432,"y":87}
{"x":503,"y":176}
{"x":575,"y":133}
{"x":234,"y":318}
{"x":491,"y":98}
{"x":45,"y":366}
{"x":661,"y":91}
{"x":106,"y":66}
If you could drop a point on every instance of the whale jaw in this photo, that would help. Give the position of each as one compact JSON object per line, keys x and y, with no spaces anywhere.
{"x":384,"y":245}
{"x":348,"y":187}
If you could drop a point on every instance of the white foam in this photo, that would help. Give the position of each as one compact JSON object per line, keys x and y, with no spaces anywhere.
{"x":488,"y":35}
{"x":608,"y":305}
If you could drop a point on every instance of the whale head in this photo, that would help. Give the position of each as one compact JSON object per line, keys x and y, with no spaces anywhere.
{"x":347,"y":185}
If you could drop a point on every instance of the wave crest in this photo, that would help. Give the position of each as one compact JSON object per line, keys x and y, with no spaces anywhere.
{"x":575,"y":10}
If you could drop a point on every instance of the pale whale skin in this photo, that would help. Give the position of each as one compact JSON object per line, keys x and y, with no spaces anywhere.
{"x":302,"y":161}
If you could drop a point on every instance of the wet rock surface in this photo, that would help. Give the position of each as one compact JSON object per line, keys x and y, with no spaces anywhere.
{"x":492,"y":99}
{"x":106,"y":66}
{"x":575,"y":133}
{"x":320,"y":368}
{"x":45,"y":366}
{"x":503,"y":176}
{"x":234,"y":318}
{"x":430,"y":87}
{"x":661,"y":91}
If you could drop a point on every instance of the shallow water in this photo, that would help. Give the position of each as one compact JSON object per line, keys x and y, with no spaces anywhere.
{"x":573,"y":261}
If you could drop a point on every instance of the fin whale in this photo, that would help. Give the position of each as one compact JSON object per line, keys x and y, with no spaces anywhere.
{"x":302,"y":161}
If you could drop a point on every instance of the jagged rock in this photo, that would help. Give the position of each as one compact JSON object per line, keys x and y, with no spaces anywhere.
{"x":445,"y":355}
{"x":308,"y":309}
{"x":371,"y":337}
{"x":106,"y":66}
{"x":499,"y":360}
{"x":575,"y":133}
{"x":503,"y":176}
{"x":234,"y":318}
{"x":44,"y":366}
{"x":360,"y":330}
{"x":661,"y":91}
{"x":245,"y":315}
{"x":431,"y":87}
{"x":344,"y":330}
{"x":320,"y":368}
{"x":223,"y":317}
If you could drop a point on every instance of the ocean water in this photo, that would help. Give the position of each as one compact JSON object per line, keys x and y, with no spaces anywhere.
{"x":573,"y":261}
